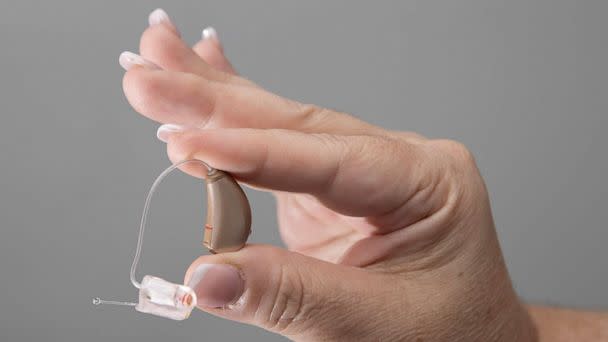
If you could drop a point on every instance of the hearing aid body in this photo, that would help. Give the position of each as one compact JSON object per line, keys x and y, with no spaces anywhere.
{"x":227,"y":229}
{"x":228,"y":214}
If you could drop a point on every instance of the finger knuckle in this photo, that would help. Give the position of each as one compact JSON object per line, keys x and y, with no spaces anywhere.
{"x":334,"y":143}
{"x":309,"y":113}
{"x":202,"y":98}
{"x":312,"y":117}
{"x":461,"y":175}
{"x":287,"y":303}
{"x":379,"y":152}
{"x":457,"y":151}
{"x":336,"y":146}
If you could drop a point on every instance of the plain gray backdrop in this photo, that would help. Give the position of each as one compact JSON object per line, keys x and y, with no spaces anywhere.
{"x":522,"y":83}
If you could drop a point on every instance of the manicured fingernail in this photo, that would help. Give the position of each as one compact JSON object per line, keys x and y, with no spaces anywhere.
{"x":165,"y":131}
{"x":158,"y":16}
{"x":210,"y":33}
{"x":127,"y":60}
{"x":216,"y":285}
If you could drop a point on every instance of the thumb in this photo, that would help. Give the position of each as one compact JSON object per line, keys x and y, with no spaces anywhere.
{"x":291,"y":294}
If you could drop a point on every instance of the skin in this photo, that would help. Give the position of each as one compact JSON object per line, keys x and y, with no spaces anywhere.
{"x":389,"y":234}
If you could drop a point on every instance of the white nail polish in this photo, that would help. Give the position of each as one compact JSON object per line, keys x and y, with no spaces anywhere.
{"x":210,"y":33}
{"x":163,"y":131}
{"x":158,"y":16}
{"x":127,"y":60}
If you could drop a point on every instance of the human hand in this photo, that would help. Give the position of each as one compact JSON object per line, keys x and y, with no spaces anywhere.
{"x":390,"y":235}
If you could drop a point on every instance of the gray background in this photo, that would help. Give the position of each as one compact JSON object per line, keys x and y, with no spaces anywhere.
{"x":522,"y":83}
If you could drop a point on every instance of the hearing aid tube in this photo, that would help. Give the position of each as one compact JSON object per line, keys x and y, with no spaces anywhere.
{"x":227,"y":229}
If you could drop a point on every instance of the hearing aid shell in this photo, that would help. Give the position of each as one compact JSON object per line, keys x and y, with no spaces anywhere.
{"x":228,"y":214}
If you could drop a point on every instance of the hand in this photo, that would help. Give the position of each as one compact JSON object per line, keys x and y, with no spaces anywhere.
{"x":390,"y":235}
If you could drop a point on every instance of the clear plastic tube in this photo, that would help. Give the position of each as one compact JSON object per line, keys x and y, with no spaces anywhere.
{"x":144,"y":215}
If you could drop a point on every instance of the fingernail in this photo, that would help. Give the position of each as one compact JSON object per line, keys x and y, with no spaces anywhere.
{"x":216,"y":285}
{"x":158,"y":16}
{"x":165,"y":131}
{"x":210,"y":33}
{"x":129,"y":59}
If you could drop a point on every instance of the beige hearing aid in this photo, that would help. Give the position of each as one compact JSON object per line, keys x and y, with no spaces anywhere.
{"x":228,"y":214}
{"x":227,"y":229}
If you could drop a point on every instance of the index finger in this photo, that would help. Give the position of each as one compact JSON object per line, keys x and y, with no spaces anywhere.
{"x":353,"y":175}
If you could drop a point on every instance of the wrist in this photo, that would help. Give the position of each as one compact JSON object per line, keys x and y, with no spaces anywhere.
{"x":512,"y":323}
{"x":559,"y":324}
{"x":501,"y":315}
{"x":524,"y":327}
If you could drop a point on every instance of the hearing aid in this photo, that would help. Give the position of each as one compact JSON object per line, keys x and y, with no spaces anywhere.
{"x":227,"y":228}
{"x":228,"y":214}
